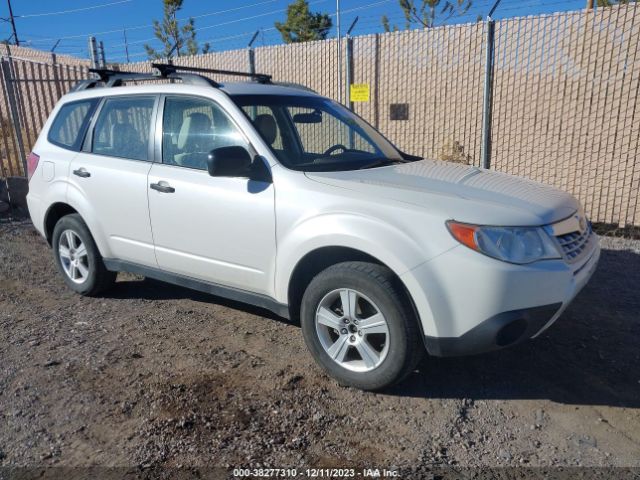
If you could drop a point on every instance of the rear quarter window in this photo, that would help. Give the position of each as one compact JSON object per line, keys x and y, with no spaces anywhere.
{"x":71,"y":122}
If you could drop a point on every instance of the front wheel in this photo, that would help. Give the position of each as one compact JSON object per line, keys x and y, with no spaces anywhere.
{"x":77,"y":257}
{"x":358,"y":325}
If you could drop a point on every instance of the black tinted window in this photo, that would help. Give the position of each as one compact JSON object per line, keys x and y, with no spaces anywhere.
{"x":67,"y":129}
{"x":122,"y":128}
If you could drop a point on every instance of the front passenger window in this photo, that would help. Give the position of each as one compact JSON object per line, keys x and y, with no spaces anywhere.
{"x":191,"y":128}
{"x":122,"y":128}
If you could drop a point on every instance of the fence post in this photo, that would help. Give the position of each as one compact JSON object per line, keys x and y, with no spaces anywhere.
{"x":9,"y":84}
{"x":56,"y":79}
{"x":252,"y":67}
{"x":349,"y":64}
{"x":93,"y":51}
{"x":349,"y":70}
{"x":488,"y":92}
{"x":252,"y":60}
{"x":376,"y":76}
{"x":252,"y":53}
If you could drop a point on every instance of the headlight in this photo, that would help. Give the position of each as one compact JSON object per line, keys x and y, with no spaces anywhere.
{"x":509,"y":244}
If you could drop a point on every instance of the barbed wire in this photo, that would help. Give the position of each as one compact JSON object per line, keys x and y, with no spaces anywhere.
{"x":150,"y":25}
{"x":367,"y":24}
{"x":73,"y":10}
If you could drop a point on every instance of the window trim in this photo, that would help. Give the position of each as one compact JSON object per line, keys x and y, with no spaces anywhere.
{"x":82,"y":132}
{"x":87,"y":146}
{"x":160,"y":121}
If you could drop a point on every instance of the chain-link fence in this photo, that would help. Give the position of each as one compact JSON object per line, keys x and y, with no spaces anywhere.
{"x":562,"y":89}
{"x":29,"y":89}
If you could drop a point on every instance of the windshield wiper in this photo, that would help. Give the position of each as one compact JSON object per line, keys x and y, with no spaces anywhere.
{"x":381,"y":162}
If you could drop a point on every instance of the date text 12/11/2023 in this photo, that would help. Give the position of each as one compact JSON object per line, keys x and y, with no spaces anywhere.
{"x":314,"y":473}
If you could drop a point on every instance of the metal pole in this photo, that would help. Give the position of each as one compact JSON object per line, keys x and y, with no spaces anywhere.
{"x":339,"y":51}
{"x":93,"y":51}
{"x":349,"y":73}
{"x":103,"y":62}
{"x":126,"y":44}
{"x":252,"y":67}
{"x":252,"y":53}
{"x":349,"y":63}
{"x":488,"y":93}
{"x":13,"y":24}
{"x":9,"y":86}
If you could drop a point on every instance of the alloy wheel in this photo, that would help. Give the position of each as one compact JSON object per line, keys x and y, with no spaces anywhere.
{"x":352,"y":330}
{"x":73,"y":256}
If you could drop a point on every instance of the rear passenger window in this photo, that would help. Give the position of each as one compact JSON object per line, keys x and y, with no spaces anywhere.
{"x":122,"y":128}
{"x":67,"y":129}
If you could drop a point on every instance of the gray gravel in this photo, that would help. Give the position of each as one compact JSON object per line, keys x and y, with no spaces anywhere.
{"x":153,"y":376}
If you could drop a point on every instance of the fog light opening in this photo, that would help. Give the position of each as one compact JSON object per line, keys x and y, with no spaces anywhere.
{"x":511,"y":332}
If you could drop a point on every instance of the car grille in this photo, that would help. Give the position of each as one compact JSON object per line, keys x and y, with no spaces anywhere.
{"x":575,"y":244}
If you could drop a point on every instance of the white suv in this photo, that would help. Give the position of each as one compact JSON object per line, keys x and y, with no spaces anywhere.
{"x":278,"y":197}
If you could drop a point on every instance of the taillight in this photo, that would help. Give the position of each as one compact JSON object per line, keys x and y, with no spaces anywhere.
{"x":32,"y":164}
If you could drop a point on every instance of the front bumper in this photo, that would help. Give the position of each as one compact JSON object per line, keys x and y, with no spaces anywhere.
{"x":501,"y":330}
{"x":469,"y":303}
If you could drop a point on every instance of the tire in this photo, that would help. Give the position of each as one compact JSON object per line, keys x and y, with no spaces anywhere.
{"x":369,"y":358}
{"x":82,"y":269}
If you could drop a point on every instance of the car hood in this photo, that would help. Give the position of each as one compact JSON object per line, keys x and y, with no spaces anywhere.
{"x":461,"y":192}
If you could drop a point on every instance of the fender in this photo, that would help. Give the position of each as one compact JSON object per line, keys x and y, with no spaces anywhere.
{"x":389,"y":245}
{"x":76,"y":199}
{"x":55,"y":192}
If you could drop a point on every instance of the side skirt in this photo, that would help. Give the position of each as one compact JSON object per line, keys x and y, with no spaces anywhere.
{"x":235,"y":294}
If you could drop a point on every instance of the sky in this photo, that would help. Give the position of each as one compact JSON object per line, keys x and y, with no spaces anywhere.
{"x":224,"y":24}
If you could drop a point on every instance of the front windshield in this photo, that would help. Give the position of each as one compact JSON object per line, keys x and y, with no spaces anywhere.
{"x":316,"y":134}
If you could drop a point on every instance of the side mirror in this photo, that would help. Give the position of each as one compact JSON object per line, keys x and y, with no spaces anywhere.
{"x":229,"y":162}
{"x":313,"y":117}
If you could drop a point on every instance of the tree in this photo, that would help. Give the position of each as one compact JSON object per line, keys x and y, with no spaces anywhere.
{"x":303,"y":25}
{"x":177,"y":40}
{"x":422,"y":13}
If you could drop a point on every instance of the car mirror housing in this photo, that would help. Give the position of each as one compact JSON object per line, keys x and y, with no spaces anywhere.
{"x":229,"y":162}
{"x":313,"y":117}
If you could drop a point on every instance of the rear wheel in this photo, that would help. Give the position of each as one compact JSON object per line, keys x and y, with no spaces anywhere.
{"x":77,"y":257}
{"x":358,"y":325}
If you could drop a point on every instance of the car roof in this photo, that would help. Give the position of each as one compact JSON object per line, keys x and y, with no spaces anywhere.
{"x":230,"y":88}
{"x":255,"y":88}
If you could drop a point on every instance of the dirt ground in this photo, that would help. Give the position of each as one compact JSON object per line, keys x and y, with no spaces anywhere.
{"x":153,"y":375}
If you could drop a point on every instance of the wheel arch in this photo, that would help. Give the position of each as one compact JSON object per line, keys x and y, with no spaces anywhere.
{"x":53,"y":214}
{"x":321,"y":258}
{"x":59,"y":209}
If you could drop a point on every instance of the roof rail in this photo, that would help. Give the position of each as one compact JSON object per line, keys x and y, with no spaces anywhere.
{"x":168,"y":68}
{"x":115,"y":78}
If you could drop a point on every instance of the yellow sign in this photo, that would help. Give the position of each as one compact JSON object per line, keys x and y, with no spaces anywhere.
{"x":359,"y":92}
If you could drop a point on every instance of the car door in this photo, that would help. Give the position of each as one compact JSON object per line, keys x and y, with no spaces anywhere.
{"x":110,"y":175}
{"x":217,"y":229}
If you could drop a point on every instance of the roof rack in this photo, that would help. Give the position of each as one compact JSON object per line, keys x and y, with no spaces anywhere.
{"x":169,"y":68}
{"x":114,"y":78}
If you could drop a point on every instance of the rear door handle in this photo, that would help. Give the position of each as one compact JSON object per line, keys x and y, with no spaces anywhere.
{"x":162,"y":187}
{"x":82,"y":172}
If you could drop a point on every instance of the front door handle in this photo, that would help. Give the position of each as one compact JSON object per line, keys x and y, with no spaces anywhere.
{"x":82,"y":172}
{"x":162,"y":187}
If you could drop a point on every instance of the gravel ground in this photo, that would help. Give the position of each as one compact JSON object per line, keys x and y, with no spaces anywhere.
{"x":153,"y":376}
